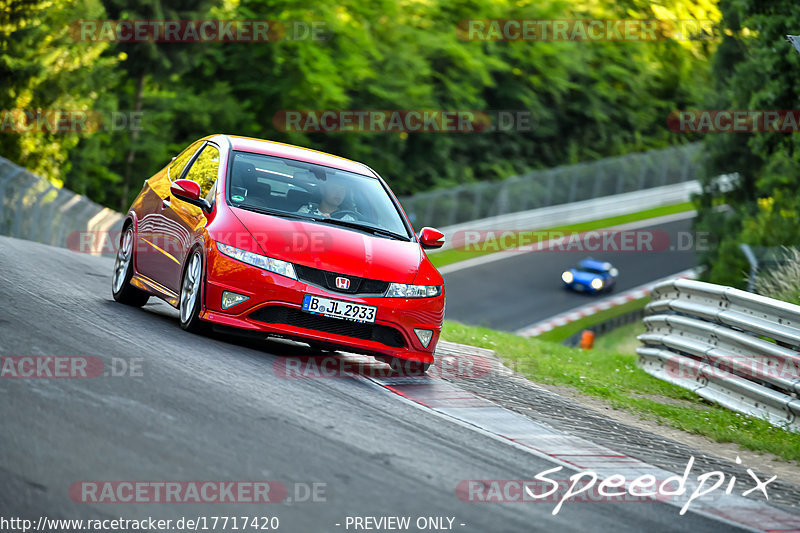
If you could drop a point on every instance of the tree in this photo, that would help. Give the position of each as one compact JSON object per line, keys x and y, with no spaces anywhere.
{"x":754,"y":69}
{"x":46,"y":73}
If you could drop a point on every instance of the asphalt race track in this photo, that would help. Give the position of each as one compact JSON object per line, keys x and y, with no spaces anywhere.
{"x":525,"y":288}
{"x":201,"y":408}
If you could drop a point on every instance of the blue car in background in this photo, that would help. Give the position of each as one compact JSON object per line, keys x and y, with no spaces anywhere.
{"x":590,"y":276}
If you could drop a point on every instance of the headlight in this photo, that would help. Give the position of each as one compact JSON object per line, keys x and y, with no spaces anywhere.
{"x":614,"y":272}
{"x":597,"y":283}
{"x":257,"y":260}
{"x":401,"y":290}
{"x":567,"y":277}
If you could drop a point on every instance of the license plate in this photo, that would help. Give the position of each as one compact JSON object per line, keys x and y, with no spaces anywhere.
{"x":338,"y":309}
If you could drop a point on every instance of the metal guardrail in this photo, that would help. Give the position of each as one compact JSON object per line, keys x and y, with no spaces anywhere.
{"x":573,"y":213}
{"x":737,"y":349}
{"x":32,"y":208}
{"x":556,"y":186}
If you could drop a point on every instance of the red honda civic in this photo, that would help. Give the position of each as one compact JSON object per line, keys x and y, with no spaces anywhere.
{"x":284,"y":241}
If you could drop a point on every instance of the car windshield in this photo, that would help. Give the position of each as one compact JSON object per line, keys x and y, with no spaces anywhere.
{"x":300,"y":189}
{"x":592,"y":270}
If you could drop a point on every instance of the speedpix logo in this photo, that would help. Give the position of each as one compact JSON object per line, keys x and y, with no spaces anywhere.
{"x":587,"y":486}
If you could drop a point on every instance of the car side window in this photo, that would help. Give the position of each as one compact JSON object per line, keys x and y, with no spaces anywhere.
{"x":205,"y":168}
{"x":177,"y":166}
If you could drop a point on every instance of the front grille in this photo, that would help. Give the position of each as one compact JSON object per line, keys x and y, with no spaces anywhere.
{"x":278,"y":314}
{"x":327,"y":280}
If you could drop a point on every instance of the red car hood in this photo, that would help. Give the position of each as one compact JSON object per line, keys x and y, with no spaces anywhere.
{"x":332,"y":248}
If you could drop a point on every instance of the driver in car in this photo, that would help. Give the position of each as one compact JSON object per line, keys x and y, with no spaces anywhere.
{"x":333,"y":194}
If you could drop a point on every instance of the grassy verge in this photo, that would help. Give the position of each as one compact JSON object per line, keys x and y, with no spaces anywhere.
{"x":446,"y":257}
{"x":564,"y":332}
{"x":615,"y":378}
{"x":622,"y":339}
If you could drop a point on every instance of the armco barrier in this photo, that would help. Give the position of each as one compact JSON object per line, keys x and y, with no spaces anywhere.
{"x":578,"y":212}
{"x":443,"y":208}
{"x":732,"y":347}
{"x":33,"y":209}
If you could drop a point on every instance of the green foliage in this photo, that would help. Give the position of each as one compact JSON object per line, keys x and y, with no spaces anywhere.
{"x":586,"y":100}
{"x":42,"y":69}
{"x":782,"y":282}
{"x":754,"y":68}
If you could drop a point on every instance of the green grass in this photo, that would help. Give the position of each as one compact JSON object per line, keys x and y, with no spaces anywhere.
{"x":622,"y":339}
{"x":447,"y":257}
{"x":615,"y":378}
{"x":564,"y":332}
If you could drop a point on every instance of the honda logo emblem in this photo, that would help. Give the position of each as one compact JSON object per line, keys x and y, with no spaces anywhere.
{"x":342,"y":283}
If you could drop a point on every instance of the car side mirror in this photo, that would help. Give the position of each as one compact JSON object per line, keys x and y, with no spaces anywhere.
{"x":188,"y":191}
{"x":431,"y":238}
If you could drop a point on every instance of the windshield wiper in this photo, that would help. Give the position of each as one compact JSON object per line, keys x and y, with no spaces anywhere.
{"x":369,"y":229}
{"x":267,"y":211}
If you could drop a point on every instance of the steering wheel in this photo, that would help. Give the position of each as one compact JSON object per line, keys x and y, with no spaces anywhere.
{"x":344,"y":212}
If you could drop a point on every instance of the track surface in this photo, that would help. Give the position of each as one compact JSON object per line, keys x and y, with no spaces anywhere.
{"x":526,"y":288}
{"x":213,"y":409}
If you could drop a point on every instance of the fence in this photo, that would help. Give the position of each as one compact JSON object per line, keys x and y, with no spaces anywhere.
{"x":605,"y":326}
{"x":33,"y":209}
{"x":560,"y":185}
{"x":732,"y":347}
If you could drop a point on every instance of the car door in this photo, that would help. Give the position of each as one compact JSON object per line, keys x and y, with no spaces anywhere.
{"x":182,"y":219}
{"x":153,"y":255}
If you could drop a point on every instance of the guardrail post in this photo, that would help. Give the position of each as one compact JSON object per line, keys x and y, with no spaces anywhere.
{"x":751,"y":258}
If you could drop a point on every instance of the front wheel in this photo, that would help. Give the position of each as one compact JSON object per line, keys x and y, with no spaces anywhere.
{"x":191,"y":290}
{"x":121,"y":287}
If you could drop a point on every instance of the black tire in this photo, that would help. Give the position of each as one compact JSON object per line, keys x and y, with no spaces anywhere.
{"x":191,"y":294}
{"x":404,"y":367}
{"x":121,"y":287}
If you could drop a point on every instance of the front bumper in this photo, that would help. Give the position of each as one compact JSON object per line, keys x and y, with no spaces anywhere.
{"x":585,"y":287}
{"x":274,"y":307}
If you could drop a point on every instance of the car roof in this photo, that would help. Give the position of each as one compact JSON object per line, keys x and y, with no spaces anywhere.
{"x":595,"y":264}
{"x":289,"y":151}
